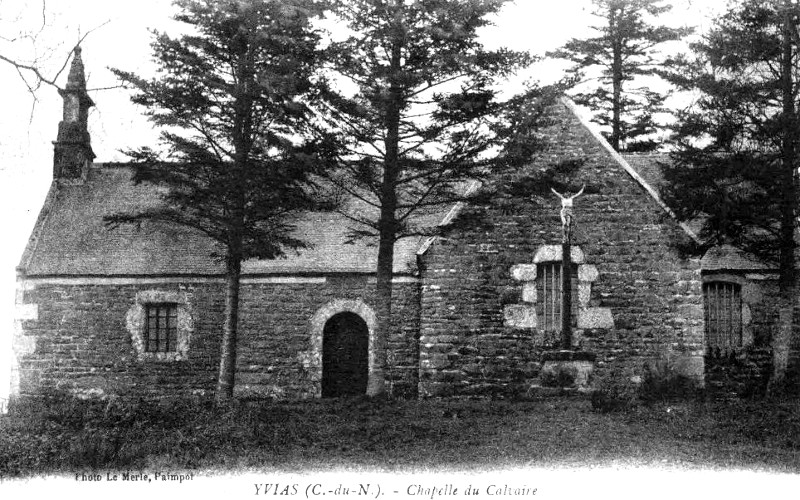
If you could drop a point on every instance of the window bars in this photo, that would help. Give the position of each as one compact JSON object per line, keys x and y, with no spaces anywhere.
{"x":161,"y":328}
{"x":723,"y":313}
{"x":548,"y":296}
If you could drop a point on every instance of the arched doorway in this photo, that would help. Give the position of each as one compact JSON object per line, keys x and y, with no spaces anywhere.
{"x":345,"y":364}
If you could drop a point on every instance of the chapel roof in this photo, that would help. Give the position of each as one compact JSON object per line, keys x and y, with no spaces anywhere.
{"x":71,"y":239}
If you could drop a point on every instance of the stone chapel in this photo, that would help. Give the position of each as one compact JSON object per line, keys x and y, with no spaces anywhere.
{"x":476,"y":312}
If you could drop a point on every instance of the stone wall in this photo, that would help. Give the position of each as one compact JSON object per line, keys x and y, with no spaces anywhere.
{"x":748,"y":370}
{"x":639,"y":300}
{"x":80,"y":335}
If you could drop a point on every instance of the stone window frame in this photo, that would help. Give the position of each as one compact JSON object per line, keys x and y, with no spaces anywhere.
{"x":750,"y":295}
{"x":523,"y":315}
{"x":136,"y":321}
{"x":312,"y":360}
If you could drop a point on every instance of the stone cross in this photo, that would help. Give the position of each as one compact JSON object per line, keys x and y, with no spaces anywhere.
{"x":566,"y":267}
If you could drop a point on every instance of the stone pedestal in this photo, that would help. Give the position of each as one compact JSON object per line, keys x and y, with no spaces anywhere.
{"x":567,"y":369}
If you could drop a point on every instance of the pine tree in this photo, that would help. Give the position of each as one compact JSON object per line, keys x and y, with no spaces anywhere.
{"x":735,"y":167}
{"x":229,"y":98}
{"x":625,"y":48}
{"x":418,"y":117}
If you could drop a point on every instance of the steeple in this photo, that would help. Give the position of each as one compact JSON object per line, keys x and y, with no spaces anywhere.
{"x":72,"y":148}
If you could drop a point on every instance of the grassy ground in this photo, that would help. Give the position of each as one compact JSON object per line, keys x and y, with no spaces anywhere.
{"x":398,"y":435}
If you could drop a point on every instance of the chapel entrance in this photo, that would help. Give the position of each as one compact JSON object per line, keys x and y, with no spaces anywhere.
{"x":345,"y":345}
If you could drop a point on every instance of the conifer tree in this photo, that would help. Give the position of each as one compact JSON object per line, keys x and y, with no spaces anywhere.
{"x":418,"y":117}
{"x":229,"y":98}
{"x":735,"y":167}
{"x":625,"y":48}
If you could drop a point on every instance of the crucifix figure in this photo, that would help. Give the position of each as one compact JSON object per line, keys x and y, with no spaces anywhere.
{"x":566,"y":208}
{"x":566,"y":267}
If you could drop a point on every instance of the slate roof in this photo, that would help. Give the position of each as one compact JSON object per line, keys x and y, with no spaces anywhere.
{"x":730,"y":258}
{"x":70,"y":238}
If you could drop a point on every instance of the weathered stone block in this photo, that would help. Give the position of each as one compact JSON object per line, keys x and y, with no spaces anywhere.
{"x":25,"y":312}
{"x":691,"y":311}
{"x":473,"y":369}
{"x":520,"y":316}
{"x":23,"y":344}
{"x":747,"y":316}
{"x":550,"y":253}
{"x":529,"y":293}
{"x":524,"y":272}
{"x":435,"y":361}
{"x":587,"y":272}
{"x":690,"y":366}
{"x":584,"y":294}
{"x":595,"y":317}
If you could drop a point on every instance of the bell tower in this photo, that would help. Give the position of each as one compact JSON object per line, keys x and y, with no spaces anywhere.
{"x":72,"y":148}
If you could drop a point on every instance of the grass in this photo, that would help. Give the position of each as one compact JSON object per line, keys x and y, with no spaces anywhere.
{"x":396,"y":435}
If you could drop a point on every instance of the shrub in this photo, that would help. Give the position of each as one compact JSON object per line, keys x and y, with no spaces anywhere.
{"x":662,"y":383}
{"x":561,"y":376}
{"x":616,"y":393}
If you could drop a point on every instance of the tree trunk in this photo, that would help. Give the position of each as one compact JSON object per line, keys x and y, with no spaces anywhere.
{"x":616,"y":80}
{"x":377,"y":379}
{"x":227,"y":361}
{"x":788,"y":180}
{"x":242,"y":142}
{"x":388,"y":223}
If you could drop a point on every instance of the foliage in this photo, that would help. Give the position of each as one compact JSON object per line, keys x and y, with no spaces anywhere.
{"x":616,"y":393}
{"x":661,"y":382}
{"x":561,"y":377}
{"x":232,"y":101}
{"x":735,"y":164}
{"x":731,"y":142}
{"x":25,"y":49}
{"x":418,"y":118}
{"x":625,"y":49}
{"x":71,"y":436}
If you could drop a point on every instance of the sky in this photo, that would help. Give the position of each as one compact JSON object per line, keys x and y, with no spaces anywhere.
{"x":117,"y":35}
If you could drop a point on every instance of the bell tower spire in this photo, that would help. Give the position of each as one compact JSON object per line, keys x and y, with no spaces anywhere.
{"x":72,"y":147}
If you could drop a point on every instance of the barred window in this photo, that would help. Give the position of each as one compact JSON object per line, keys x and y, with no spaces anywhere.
{"x":723,"y":312}
{"x":161,"y":328}
{"x":548,"y":296}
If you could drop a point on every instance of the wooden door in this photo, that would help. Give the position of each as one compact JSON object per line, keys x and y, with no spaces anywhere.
{"x":345,"y":345}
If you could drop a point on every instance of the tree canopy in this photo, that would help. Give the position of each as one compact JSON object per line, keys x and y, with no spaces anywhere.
{"x":231,"y":98}
{"x":735,"y":164}
{"x":625,"y":49}
{"x":419,"y":115}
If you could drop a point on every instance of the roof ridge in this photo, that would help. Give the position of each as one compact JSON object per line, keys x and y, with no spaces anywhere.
{"x":111,"y":164}
{"x":570,"y":104}
{"x":645,"y":153}
{"x":448,"y":218}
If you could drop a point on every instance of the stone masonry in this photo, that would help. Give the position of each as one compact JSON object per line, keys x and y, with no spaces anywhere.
{"x":638,"y":300}
{"x":80,"y":336}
